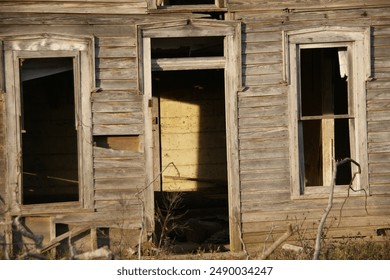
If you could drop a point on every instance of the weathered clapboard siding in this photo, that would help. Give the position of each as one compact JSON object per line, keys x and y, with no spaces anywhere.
{"x":264,"y":164}
{"x":76,"y":6}
{"x":266,"y":204}
{"x":117,"y":113}
{"x":119,"y":176}
{"x":2,"y":153}
{"x":309,"y":5}
{"x":378,"y":102}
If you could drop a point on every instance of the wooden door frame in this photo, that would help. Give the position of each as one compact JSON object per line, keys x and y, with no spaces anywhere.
{"x":231,"y":63}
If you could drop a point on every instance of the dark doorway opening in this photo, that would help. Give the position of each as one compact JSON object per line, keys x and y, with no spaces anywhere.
{"x":48,"y":127}
{"x":189,"y":131}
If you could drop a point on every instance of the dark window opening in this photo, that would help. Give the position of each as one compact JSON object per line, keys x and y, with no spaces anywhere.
{"x":187,"y":47}
{"x":187,"y":2}
{"x":49,"y":136}
{"x":324,"y":115}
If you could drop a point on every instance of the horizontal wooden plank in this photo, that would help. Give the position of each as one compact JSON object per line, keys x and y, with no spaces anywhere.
{"x":379,"y":126}
{"x":273,"y":174}
{"x":119,"y":52}
{"x":271,"y":57}
{"x":263,"y":122}
{"x":264,"y":153}
{"x":118,"y":205}
{"x":129,"y":96}
{"x":378,"y":105}
{"x":116,"y":106}
{"x":118,"y":63}
{"x":106,"y":41}
{"x":379,"y":157}
{"x":378,"y":115}
{"x":102,"y":218}
{"x":191,"y":140}
{"x":105,"y":7}
{"x":262,"y":165}
{"x":117,"y":118}
{"x":262,"y":69}
{"x":267,"y":133}
{"x":251,"y":144}
{"x":118,"y":129}
{"x":128,"y":84}
{"x":259,"y":112}
{"x":247,"y":5}
{"x":192,"y":63}
{"x":119,"y":172}
{"x":117,"y":195}
{"x":262,"y":47}
{"x":103,"y":153}
{"x":264,"y":90}
{"x":379,"y":147}
{"x":273,"y":78}
{"x":375,"y":137}
{"x":193,"y":124}
{"x":262,"y":101}
{"x":106,"y":184}
{"x":116,"y":74}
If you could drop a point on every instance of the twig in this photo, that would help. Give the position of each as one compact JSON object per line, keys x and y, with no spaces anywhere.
{"x":278,"y":242}
{"x":138,"y":196}
{"x":329,"y":206}
{"x":241,"y":239}
{"x":351,"y":189}
{"x":268,"y":236}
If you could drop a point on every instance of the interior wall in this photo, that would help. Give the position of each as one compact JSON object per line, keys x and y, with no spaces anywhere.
{"x":192,"y":129}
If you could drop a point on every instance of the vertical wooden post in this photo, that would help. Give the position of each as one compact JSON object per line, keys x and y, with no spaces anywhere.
{"x":327,"y":125}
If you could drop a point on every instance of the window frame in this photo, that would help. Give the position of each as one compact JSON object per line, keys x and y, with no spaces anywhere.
{"x":219,"y":5}
{"x":81,"y":50}
{"x":357,"y":42}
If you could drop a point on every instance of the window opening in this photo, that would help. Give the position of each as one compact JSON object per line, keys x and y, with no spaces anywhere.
{"x":187,"y":47}
{"x":184,"y":2}
{"x":49,"y":136}
{"x":325,"y":115}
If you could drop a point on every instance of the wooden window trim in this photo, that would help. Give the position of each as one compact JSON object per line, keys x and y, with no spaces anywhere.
{"x":81,"y":49}
{"x":357,"y":40}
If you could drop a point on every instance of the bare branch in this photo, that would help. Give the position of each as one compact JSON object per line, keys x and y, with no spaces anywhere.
{"x":278,"y":242}
{"x":330,"y":204}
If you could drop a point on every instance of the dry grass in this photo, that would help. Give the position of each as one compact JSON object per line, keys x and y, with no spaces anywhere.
{"x":340,"y":249}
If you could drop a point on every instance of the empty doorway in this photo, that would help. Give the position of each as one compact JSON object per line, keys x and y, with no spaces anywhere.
{"x":200,"y":47}
{"x":190,"y":151}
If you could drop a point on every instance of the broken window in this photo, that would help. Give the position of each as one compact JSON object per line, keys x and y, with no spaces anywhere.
{"x":49,"y":136}
{"x":326,"y":69}
{"x":325,"y":116}
{"x":187,"y":47}
{"x":165,"y":3}
{"x":186,"y":2}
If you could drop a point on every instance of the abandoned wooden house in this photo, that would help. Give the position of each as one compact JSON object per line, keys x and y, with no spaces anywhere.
{"x":239,"y":107}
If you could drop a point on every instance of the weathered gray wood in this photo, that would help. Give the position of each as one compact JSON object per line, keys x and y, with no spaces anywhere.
{"x":195,"y":63}
{"x":84,"y":7}
{"x":56,"y":241}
